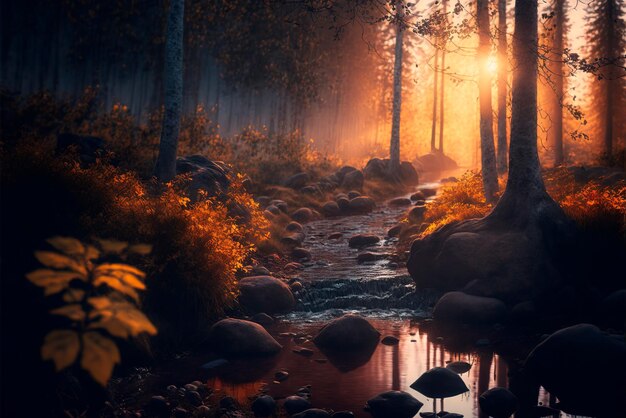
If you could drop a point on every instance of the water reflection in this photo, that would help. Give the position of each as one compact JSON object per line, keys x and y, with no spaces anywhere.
{"x":346,"y":384}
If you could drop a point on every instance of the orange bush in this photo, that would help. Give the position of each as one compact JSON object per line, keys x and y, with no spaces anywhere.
{"x":197,"y":247}
{"x":457,"y":201}
{"x":591,"y":205}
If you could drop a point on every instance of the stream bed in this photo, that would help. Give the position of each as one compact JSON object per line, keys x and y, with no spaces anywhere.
{"x":335,"y":284}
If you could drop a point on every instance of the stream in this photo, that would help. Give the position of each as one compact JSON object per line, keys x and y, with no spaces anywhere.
{"x":336,"y":284}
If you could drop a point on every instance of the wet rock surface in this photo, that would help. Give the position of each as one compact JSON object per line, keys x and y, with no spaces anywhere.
{"x":561,"y":364}
{"x":265,"y":294}
{"x":238,"y":337}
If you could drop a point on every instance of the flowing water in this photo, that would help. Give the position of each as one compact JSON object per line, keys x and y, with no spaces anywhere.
{"x":336,"y":284}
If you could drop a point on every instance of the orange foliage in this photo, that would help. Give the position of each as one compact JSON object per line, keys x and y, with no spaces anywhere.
{"x":590,"y":205}
{"x":457,"y":202}
{"x":197,"y":247}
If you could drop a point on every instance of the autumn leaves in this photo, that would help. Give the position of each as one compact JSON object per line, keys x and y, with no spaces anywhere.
{"x":100,"y":303}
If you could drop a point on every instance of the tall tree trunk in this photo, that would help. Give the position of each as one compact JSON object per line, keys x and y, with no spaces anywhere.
{"x":557,"y":72}
{"x":433,"y":127}
{"x":394,"y":148}
{"x":502,"y":87}
{"x":612,"y":41}
{"x":487,"y":150}
{"x":443,"y":79}
{"x":525,"y":196}
{"x":608,"y":121}
{"x":165,"y":169}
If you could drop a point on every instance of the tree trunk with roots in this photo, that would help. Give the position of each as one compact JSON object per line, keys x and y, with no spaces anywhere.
{"x":165,"y":169}
{"x":487,"y":149}
{"x":518,"y":252}
{"x":394,"y":148}
{"x":525,"y":197}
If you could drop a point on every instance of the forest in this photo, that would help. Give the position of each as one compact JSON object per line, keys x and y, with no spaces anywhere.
{"x":313,"y":208}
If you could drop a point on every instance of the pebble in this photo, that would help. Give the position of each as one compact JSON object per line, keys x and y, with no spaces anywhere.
{"x":281,"y":375}
{"x":390,"y":340}
{"x":227,"y":402}
{"x":303,"y":351}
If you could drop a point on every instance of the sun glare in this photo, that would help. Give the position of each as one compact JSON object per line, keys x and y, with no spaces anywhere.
{"x":492,"y":64}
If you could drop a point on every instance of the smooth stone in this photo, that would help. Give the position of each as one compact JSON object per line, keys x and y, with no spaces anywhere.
{"x":265,"y":294}
{"x":390,"y":340}
{"x":296,"y":404}
{"x":237,"y":337}
{"x":294,"y":226}
{"x":439,"y":382}
{"x":400,"y":201}
{"x":395,"y":404}
{"x":313,"y":413}
{"x":498,"y":402}
{"x":262,"y":318}
{"x":362,"y":240}
{"x":349,"y":332}
{"x":459,"y":367}
{"x":461,"y":308}
{"x":263,"y":406}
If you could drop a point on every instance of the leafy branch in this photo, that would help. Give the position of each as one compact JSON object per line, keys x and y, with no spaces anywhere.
{"x":100,"y":298}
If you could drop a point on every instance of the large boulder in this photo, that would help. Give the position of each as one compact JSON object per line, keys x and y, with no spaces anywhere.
{"x":376,"y":169}
{"x":394,"y":403}
{"x":581,"y":365}
{"x":347,"y":333}
{"x":353,"y":180}
{"x":492,"y":263}
{"x":204,"y":174}
{"x":408,"y":173}
{"x":458,"y":307}
{"x":88,"y":148}
{"x":238,"y":337}
{"x":341,"y":173}
{"x":265,"y":294}
{"x":435,"y":161}
{"x":297,"y":181}
{"x":612,"y":310}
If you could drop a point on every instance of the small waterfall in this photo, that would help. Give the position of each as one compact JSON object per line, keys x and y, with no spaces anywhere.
{"x":383,"y":293}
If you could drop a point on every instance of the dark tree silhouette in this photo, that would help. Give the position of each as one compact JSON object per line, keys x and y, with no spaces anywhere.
{"x":487,"y":150}
{"x":443,"y":79}
{"x":433,"y":127}
{"x":502,"y":87}
{"x":165,"y":169}
{"x":525,"y":199}
{"x":606,"y":33}
{"x":555,"y":67}
{"x":394,"y":147}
